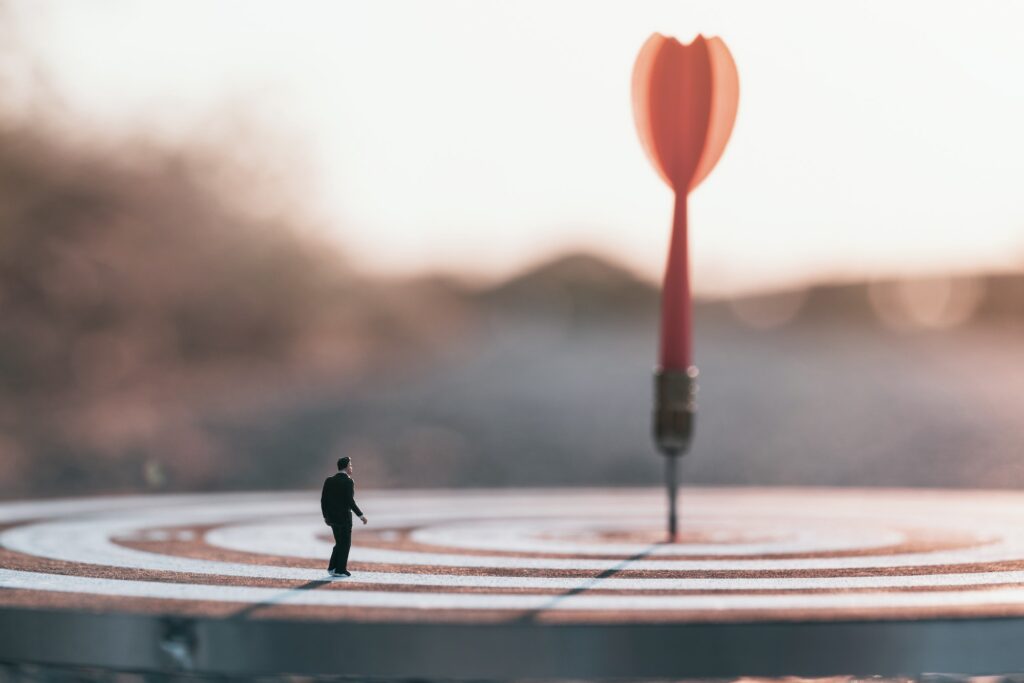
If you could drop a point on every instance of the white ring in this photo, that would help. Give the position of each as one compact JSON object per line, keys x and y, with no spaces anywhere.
{"x":87,"y":539}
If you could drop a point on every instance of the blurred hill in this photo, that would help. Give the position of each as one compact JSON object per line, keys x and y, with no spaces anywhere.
{"x":572,"y":288}
{"x":137,"y":300}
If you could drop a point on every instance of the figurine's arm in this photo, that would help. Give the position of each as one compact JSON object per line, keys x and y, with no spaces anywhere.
{"x":352,"y":499}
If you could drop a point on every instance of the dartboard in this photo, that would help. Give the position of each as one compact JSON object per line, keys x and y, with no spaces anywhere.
{"x":527,"y":557}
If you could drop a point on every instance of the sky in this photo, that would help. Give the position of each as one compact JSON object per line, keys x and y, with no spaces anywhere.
{"x":477,"y":137}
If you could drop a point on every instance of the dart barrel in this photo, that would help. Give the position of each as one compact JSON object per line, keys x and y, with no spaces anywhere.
{"x":675,"y":406}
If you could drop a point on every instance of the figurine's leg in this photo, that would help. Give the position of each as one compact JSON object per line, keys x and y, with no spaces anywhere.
{"x":344,"y":545}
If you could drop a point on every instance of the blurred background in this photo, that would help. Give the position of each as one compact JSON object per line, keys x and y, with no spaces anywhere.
{"x":241,"y":239}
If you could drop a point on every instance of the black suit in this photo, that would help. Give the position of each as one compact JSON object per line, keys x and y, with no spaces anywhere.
{"x":337,"y":503}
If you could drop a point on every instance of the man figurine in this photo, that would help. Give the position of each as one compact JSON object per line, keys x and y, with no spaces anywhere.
{"x":337,"y":503}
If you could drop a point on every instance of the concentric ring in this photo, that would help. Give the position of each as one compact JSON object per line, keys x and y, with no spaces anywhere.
{"x":549,"y":555}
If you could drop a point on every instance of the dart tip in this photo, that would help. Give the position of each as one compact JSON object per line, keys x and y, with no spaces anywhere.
{"x":673,"y":491}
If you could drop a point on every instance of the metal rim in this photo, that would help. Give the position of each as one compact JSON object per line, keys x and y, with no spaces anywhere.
{"x":510,"y":650}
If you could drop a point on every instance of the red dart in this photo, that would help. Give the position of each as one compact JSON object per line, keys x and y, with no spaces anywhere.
{"x":684,"y":102}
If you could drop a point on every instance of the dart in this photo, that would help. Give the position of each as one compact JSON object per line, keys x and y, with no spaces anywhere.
{"x":684,"y":103}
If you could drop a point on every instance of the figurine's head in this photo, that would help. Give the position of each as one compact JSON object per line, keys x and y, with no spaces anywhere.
{"x":345,"y":465}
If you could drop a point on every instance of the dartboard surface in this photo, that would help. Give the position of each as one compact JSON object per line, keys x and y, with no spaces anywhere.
{"x":527,"y":558}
